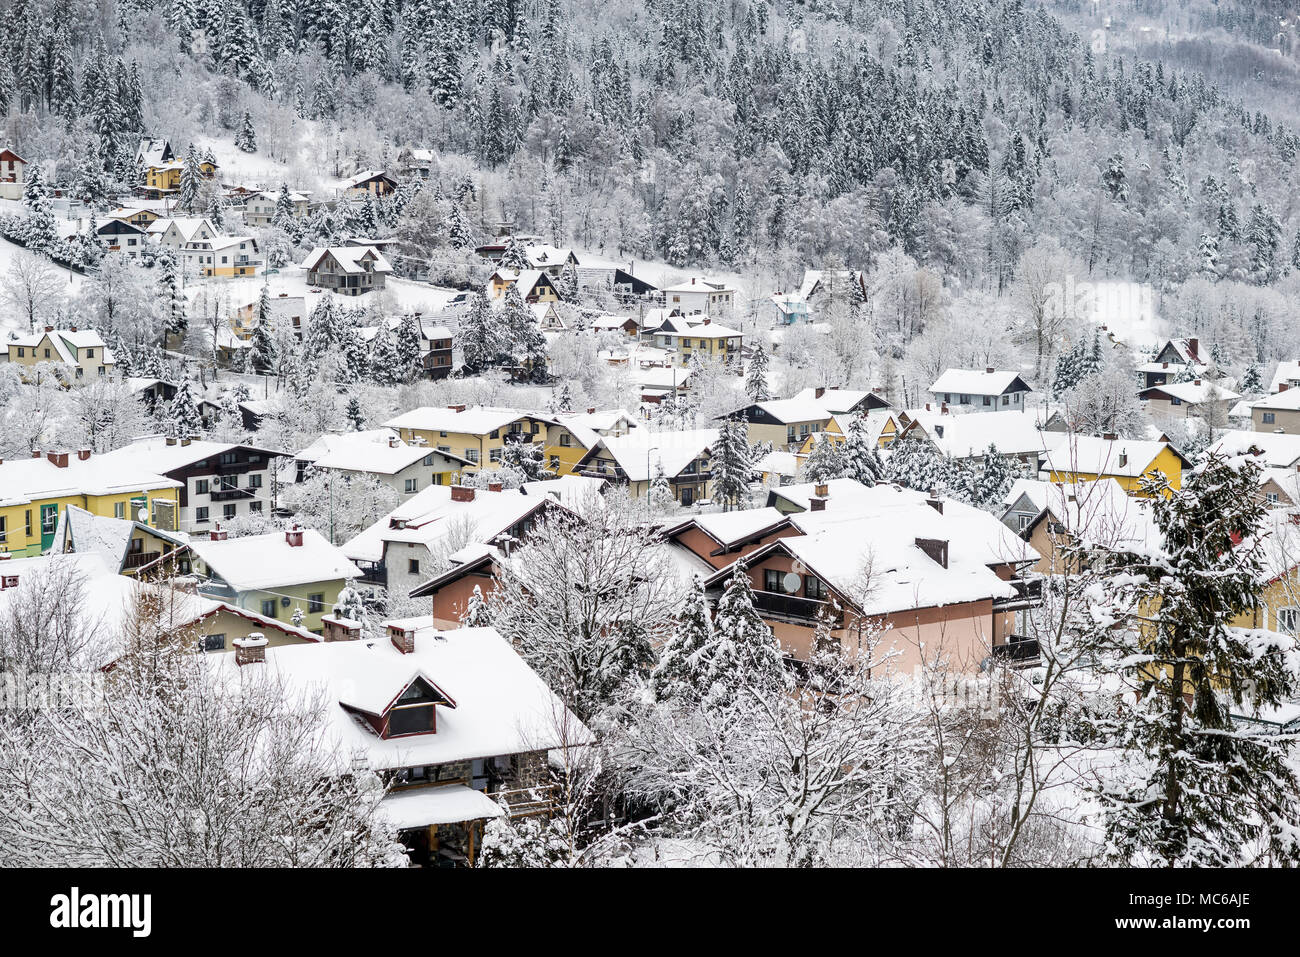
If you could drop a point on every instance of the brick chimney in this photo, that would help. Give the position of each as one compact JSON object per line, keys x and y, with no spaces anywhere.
{"x":403,"y":639}
{"x":1109,"y":436}
{"x":462,"y":493}
{"x":293,"y":536}
{"x":392,"y":441}
{"x":1196,"y":382}
{"x":943,"y":408}
{"x":250,"y":650}
{"x":819,"y":392}
{"x":988,"y":370}
{"x":494,"y":486}
{"x":1164,"y":365}
{"x":1194,"y":348}
{"x":934,"y":501}
{"x":36,"y":453}
{"x":83,"y":454}
{"x":591,"y":410}
{"x":8,"y":581}
{"x":49,"y":328}
{"x":821,"y":490}
{"x":58,"y":459}
{"x":817,"y":505}
{"x":171,"y":440}
{"x":456,"y":408}
{"x":337,"y":628}
{"x":217,"y":534}
{"x":72,"y":328}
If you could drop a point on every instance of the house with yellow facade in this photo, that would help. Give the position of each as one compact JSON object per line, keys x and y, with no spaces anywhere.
{"x":478,"y":434}
{"x":81,"y":351}
{"x":687,"y":335}
{"x":162,"y":170}
{"x":292,"y":576}
{"x":1086,"y":458}
{"x":534,"y":285}
{"x":571,"y":435}
{"x":34,"y":492}
{"x":637,"y":460}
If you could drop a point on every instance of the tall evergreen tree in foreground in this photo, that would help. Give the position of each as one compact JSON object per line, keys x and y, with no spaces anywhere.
{"x":1197,"y":788}
{"x":733,"y":466}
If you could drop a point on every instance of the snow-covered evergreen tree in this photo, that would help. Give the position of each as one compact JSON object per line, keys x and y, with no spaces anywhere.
{"x":733,"y":466}
{"x":756,"y":375}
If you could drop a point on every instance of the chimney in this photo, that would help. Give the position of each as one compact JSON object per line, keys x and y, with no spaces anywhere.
{"x":293,"y":536}
{"x":1282,"y":387}
{"x":943,"y":408}
{"x":36,"y":453}
{"x":392,"y":441}
{"x":83,"y":454}
{"x":820,"y":391}
{"x":217,"y":534}
{"x":494,"y":486}
{"x":936,"y":548}
{"x":462,"y":493}
{"x":171,"y":440}
{"x":8,"y":581}
{"x":338,"y":628}
{"x":1109,"y":436}
{"x":927,"y":407}
{"x":934,"y":501}
{"x":817,"y":505}
{"x":1194,"y":348}
{"x":822,"y":490}
{"x":988,"y":370}
{"x":1164,"y":365}
{"x":456,"y":408}
{"x":284,"y":295}
{"x":250,"y":650}
{"x":72,"y":328}
{"x":1196,"y":382}
{"x":49,"y":328}
{"x":403,"y":639}
{"x":591,"y":410}
{"x":706,"y":320}
{"x":59,"y":459}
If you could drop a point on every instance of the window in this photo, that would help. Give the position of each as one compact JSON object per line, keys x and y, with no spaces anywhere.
{"x":1270,"y":497}
{"x":3,"y":529}
{"x":228,"y":511}
{"x":1006,"y":400}
{"x":316,"y":602}
{"x":428,"y":459}
{"x":255,"y":480}
{"x":119,"y":509}
{"x":214,"y":642}
{"x":1024,"y":522}
{"x":988,"y":400}
{"x":771,"y":579}
{"x":268,"y":607}
{"x":228,"y":458}
{"x":410,"y":485}
{"x":201,"y":513}
{"x":566,"y":440}
{"x":813,"y":587}
{"x":200,"y":486}
{"x":494,"y":455}
{"x":413,"y":566}
{"x":1174,"y":400}
{"x":90,"y":353}
{"x":472,"y":455}
{"x":254,"y":506}
{"x":1288,"y":620}
{"x":1268,"y":418}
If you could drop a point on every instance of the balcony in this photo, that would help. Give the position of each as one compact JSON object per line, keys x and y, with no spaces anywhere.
{"x":1018,"y":651}
{"x":373,"y":573}
{"x":804,"y":611}
{"x":226,"y":494}
{"x":1029,"y":594}
{"x":140,"y":559}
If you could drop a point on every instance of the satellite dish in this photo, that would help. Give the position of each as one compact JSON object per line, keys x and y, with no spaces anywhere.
{"x":790,"y":582}
{"x":142,"y":515}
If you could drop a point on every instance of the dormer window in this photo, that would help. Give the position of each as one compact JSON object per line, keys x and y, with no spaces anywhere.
{"x":414,"y":711}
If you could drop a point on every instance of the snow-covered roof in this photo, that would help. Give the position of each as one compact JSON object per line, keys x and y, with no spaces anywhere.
{"x":365,"y":176}
{"x":475,"y":420}
{"x":349,"y":258}
{"x":80,"y":531}
{"x":1101,"y":514}
{"x":641,"y":454}
{"x":1287,"y":401}
{"x":25,"y":480}
{"x":432,"y":514}
{"x":976,"y":382}
{"x":727,"y":528}
{"x":501,"y":706}
{"x":846,"y":493}
{"x":1192,"y":393}
{"x":156,"y":455}
{"x":377,"y":451}
{"x":256,"y":562}
{"x":442,"y":804}
{"x":789,"y":410}
{"x":1286,"y":374}
{"x":865,"y":547}
{"x":835,"y":400}
{"x":1014,"y":432}
{"x":1278,"y":449}
{"x":1091,"y":455}
{"x":65,"y":343}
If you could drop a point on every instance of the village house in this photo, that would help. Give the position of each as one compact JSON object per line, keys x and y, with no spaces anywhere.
{"x":368,"y":182}
{"x":283,"y":575}
{"x":283,"y":306}
{"x":1279,"y":412}
{"x":785,"y":423}
{"x":1199,"y":398}
{"x":416,"y":163}
{"x":932,"y":581}
{"x":430,"y":533}
{"x":639,"y":458}
{"x":976,"y":391}
{"x":791,"y":308}
{"x":883,"y":430}
{"x":455,"y":722}
{"x":122,"y":236}
{"x":108,"y":600}
{"x":260,"y":208}
{"x":1017,"y":435}
{"x":124,"y":544}
{"x":534,"y":286}
{"x":1285,"y":376}
{"x":707,"y":296}
{"x":13,"y":174}
{"x":222,"y":256}
{"x":162,"y":170}
{"x":570,"y":435}
{"x":1078,"y":518}
{"x":382,"y":455}
{"x":219,"y":481}
{"x":821,"y":286}
{"x":844,"y":401}
{"x":478,"y":434}
{"x":686,"y":337}
{"x":347,"y":270}
{"x":81,"y":350}
{"x":136,"y":216}
{"x":1087,"y":458}
{"x":437,"y":344}
{"x":33,"y":492}
{"x":1177,"y":357}
{"x":1279,"y":605}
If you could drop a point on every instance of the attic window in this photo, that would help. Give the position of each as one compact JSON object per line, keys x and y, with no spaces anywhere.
{"x":414,"y":711}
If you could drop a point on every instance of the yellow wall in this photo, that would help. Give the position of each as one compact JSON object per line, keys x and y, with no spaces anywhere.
{"x":459,"y":443}
{"x":1166,"y":462}
{"x":19,"y":543}
{"x":568,"y":455}
{"x":32,"y":356}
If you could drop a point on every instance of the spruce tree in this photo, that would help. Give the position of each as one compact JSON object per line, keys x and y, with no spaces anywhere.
{"x":184,"y":419}
{"x":245,"y":138}
{"x":1199,"y":788}
{"x":756,"y":375}
{"x":860,"y":459}
{"x":733,"y":467}
{"x":824,"y":462}
{"x":745,"y":650}
{"x":685,"y":661}
{"x":477,"y":613}
{"x":408,"y":348}
{"x":356,"y":420}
